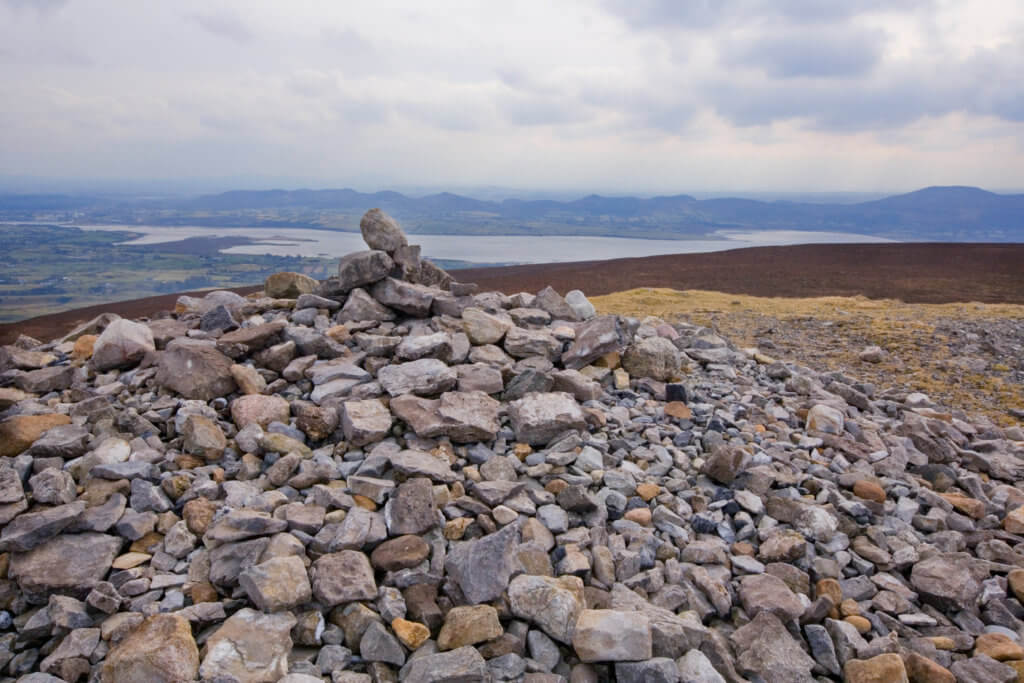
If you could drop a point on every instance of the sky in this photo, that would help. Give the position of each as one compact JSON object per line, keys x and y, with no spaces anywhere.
{"x":616,"y":96}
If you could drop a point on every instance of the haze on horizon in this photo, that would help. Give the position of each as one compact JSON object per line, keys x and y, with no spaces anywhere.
{"x":641,"y":96}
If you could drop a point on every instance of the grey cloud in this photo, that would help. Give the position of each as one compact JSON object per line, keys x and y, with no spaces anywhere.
{"x":983,"y":85}
{"x":824,"y":52}
{"x":223,"y":24}
{"x":41,"y":6}
{"x":529,"y":110}
{"x":699,"y":14}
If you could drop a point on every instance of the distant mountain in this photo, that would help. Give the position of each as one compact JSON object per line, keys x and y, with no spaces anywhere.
{"x":932,"y":213}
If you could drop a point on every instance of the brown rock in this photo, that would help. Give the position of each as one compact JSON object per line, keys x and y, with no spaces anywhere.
{"x":1014,"y":522}
{"x":411,"y":633}
{"x":196,"y":370}
{"x":198,"y":514}
{"x":923,"y":670}
{"x":259,"y":409}
{"x":858,"y":622}
{"x":286,"y":285}
{"x":202,"y":436}
{"x":969,"y":506}
{"x":998,"y":646}
{"x":869,"y":490}
{"x":1015,"y":579}
{"x":84,"y":346}
{"x":21,"y":431}
{"x":887,"y":668}
{"x":678,"y":410}
{"x":641,"y":516}
{"x":160,"y":650}
{"x":400,"y":553}
{"x":648,"y":491}
{"x":468,"y":626}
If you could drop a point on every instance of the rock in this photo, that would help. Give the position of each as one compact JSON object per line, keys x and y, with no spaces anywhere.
{"x":365,"y":422}
{"x":45,"y":380}
{"x":381,"y":231}
{"x":872,"y":354}
{"x":726,"y":463}
{"x":402,"y":552}
{"x":66,"y":442}
{"x":196,"y":370}
{"x":32,"y":529}
{"x":551,"y":301}
{"x":982,"y":669}
{"x":259,"y":410}
{"x":457,"y":666}
{"x":1014,"y":521}
{"x":823,"y":418}
{"x":410,"y":509}
{"x":250,"y":339}
{"x":122,"y":344}
{"x":249,"y":381}
{"x":19,"y":432}
{"x":654,"y":357}
{"x":357,"y":269}
{"x":655,"y":670}
{"x":881,"y":669}
{"x":287,"y":285}
{"x":218,"y":319}
{"x":464,"y":416}
{"x":278,"y":584}
{"x":70,"y":564}
{"x":482,"y":568}
{"x":923,"y":670}
{"x":948,"y":580}
{"x":468,"y":626}
{"x":537,"y":418}
{"x":377,"y":645}
{"x":484,"y":328}
{"x":343,"y":577}
{"x":694,"y":667}
{"x":361,"y":306}
{"x":411,"y":634}
{"x":407,"y":297}
{"x":766,"y":592}
{"x":202,"y":436}
{"x":424,"y":377}
{"x":249,"y":646}
{"x":580,"y":305}
{"x":765,"y":648}
{"x":612,"y":636}
{"x":869,"y":490}
{"x":553,"y":604}
{"x":595,"y":338}
{"x":998,"y":646}
{"x":161,"y":650}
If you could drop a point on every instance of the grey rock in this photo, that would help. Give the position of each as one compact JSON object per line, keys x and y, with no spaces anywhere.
{"x":343,"y":577}
{"x":195,"y":370}
{"x":655,"y":670}
{"x":462,"y":665}
{"x":278,"y":584}
{"x":365,"y":422}
{"x":424,"y":377}
{"x":410,"y":509}
{"x":552,"y":604}
{"x":482,"y":568}
{"x":982,"y":669}
{"x":407,"y":297}
{"x":949,"y":580}
{"x":765,"y":648}
{"x":361,"y":306}
{"x":381,"y":231}
{"x":539,"y":417}
{"x":32,"y":529}
{"x":357,"y":269}
{"x":551,"y":301}
{"x":580,"y":305}
{"x":595,"y":338}
{"x":654,"y":357}
{"x":249,"y":646}
{"x":70,"y":564}
{"x":695,"y":667}
{"x":612,"y":636}
{"x":123,"y":343}
{"x":45,"y":380}
{"x":377,"y":645}
{"x":64,"y":441}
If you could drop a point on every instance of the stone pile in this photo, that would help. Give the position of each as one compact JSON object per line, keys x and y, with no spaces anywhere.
{"x":391,"y":476}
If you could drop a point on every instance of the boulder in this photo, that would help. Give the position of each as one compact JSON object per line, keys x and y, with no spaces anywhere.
{"x":407,"y":297}
{"x":342,"y":577}
{"x":249,"y":646}
{"x":424,"y":377}
{"x":70,"y":564}
{"x":553,"y":604}
{"x":604,"y":635}
{"x":122,"y":344}
{"x":161,"y":650}
{"x":287,"y":285}
{"x":358,"y":269}
{"x":19,"y":432}
{"x":654,"y":357}
{"x":195,"y":370}
{"x":595,"y":338}
{"x":259,"y":409}
{"x":381,"y":231}
{"x":537,"y":418}
{"x":278,"y":584}
{"x":365,"y":422}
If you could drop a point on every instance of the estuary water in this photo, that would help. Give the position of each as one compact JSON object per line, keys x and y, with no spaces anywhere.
{"x":485,"y":248}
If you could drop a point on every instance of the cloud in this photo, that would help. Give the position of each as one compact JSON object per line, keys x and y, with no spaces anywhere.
{"x":41,"y":6}
{"x":223,"y":24}
{"x":703,"y":14}
{"x":842,"y":52}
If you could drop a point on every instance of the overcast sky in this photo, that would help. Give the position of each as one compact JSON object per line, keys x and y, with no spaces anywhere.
{"x":589,"y":95}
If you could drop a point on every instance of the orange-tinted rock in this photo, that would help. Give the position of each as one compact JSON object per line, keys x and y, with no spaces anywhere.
{"x":21,"y":431}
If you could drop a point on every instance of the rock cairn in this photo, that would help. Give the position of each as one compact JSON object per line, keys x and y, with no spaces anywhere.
{"x":389,"y":476}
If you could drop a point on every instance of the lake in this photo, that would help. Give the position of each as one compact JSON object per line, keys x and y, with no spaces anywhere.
{"x":485,"y":248}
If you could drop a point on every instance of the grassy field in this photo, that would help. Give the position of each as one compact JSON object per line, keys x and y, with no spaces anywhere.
{"x":931,"y":347}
